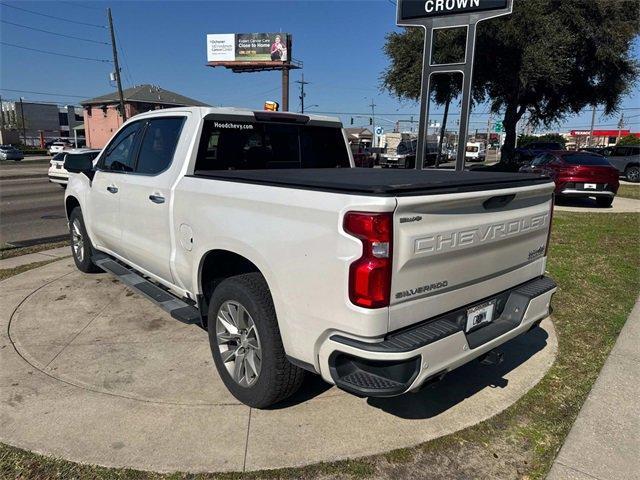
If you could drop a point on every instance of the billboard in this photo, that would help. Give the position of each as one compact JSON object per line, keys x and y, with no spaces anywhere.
{"x":412,"y":9}
{"x":248,"y":47}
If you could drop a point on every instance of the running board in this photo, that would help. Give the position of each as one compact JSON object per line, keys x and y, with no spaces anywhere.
{"x":179,"y":309}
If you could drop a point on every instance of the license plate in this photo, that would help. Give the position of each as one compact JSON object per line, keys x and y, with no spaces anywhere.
{"x":590,"y":186}
{"x":480,"y":314}
{"x":58,"y":166}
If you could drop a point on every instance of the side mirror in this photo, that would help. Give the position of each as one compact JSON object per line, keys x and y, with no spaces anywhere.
{"x":78,"y":164}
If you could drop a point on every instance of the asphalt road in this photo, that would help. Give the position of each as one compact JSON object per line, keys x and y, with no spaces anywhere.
{"x":30,"y":207}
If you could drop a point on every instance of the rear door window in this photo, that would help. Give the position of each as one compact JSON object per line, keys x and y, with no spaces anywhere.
{"x":159,"y":144}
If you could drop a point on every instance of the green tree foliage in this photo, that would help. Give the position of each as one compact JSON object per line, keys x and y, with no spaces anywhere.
{"x":524,"y":140}
{"x":629,"y":140}
{"x":549,"y":59}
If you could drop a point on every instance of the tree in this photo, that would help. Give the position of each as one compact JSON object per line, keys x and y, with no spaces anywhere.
{"x":549,"y":59}
{"x":629,"y":140}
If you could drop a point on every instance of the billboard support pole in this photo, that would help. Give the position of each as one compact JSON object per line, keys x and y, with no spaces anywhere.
{"x":454,"y":19}
{"x":285,"y":87}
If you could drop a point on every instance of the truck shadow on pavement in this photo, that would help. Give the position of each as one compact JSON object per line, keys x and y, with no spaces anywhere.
{"x":579,"y":203}
{"x":463,"y":382}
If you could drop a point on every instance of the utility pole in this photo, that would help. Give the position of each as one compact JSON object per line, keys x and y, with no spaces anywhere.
{"x":593,"y":121}
{"x":1,"y":114}
{"x":24,"y":130}
{"x":373,"y":123}
{"x":302,"y":83}
{"x":488,"y":129}
{"x":117,"y":67}
{"x":620,"y":126}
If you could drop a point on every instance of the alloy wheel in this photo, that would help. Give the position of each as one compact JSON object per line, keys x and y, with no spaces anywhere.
{"x":77,"y":240}
{"x":238,"y":343}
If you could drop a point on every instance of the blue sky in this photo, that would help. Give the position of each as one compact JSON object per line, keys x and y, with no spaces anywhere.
{"x":163,"y":43}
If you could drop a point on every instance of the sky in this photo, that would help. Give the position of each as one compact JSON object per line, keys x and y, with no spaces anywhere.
{"x":164,"y":43}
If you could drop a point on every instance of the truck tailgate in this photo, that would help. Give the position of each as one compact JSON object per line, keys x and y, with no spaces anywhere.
{"x":454,"y":249}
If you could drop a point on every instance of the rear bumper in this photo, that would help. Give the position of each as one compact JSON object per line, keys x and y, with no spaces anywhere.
{"x":404,"y":360}
{"x":569,"y":192}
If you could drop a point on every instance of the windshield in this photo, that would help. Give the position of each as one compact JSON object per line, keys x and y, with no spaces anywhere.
{"x":596,"y":160}
{"x":58,"y":157}
{"x":226,"y":145}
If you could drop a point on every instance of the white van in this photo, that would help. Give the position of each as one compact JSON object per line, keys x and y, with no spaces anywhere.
{"x":475,"y":152}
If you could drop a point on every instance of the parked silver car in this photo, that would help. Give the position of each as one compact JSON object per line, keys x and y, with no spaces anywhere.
{"x":627,"y":160}
{"x":7,"y":152}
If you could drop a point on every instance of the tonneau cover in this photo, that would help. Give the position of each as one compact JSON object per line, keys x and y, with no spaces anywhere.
{"x":378,"y":182}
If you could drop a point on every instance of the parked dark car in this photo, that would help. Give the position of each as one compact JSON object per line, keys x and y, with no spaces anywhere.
{"x":627,"y":160}
{"x":578,"y":174}
{"x":604,"y":151}
{"x":8,"y":152}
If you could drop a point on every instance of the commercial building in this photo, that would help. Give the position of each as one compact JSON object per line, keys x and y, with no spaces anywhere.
{"x":601,"y":138}
{"x":102,"y":115}
{"x":34,"y":123}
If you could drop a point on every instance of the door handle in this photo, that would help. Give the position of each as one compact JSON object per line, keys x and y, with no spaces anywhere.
{"x":156,"y":198}
{"x":112,"y":189}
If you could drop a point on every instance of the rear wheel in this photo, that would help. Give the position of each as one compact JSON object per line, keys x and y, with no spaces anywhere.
{"x":632,"y":174}
{"x":604,"y":202}
{"x":246,"y":344}
{"x":81,"y":246}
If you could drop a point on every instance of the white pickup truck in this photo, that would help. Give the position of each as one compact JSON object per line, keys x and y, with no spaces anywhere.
{"x":256,"y":226}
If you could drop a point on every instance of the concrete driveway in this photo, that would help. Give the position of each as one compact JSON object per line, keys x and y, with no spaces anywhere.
{"x":95,"y":374}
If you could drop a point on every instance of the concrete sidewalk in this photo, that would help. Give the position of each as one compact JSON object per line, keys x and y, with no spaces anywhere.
{"x":604,"y":443}
{"x":52,"y":254}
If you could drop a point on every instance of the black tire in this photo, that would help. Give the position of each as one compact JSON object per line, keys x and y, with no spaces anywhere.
{"x":83,"y":261}
{"x":278,"y":378}
{"x":604,"y":202}
{"x":63,"y":185}
{"x":632,"y":174}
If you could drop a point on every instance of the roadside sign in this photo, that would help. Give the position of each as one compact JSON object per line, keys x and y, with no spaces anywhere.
{"x":414,"y":9}
{"x":435,"y":15}
{"x":498,"y":127}
{"x":379,"y":130}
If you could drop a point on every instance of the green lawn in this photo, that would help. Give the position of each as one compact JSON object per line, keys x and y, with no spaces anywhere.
{"x":595,"y":258}
{"x":629,"y":191}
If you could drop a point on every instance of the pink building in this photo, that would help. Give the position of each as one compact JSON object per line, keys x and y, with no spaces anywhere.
{"x":102,"y":114}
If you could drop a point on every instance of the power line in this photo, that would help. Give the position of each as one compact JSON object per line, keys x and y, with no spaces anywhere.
{"x":54,"y":17}
{"x":54,"y":33}
{"x":43,"y":93}
{"x":55,"y":53}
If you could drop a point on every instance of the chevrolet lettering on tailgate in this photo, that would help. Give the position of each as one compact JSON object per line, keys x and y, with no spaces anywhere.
{"x":470,"y":237}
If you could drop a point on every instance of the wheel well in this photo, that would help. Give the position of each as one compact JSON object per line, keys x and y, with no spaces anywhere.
{"x":219,"y":265}
{"x":70,"y":204}
{"x":631,"y":164}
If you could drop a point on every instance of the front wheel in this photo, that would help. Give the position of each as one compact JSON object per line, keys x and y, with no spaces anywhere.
{"x":81,"y":246}
{"x":246,"y":345}
{"x":632,"y":174}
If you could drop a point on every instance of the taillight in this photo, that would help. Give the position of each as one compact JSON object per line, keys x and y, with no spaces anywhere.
{"x":370,"y":275}
{"x":553,"y":204}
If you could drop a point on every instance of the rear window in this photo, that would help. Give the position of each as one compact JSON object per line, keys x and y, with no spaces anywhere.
{"x":545,"y":146}
{"x":472,"y":149}
{"x":586,"y":160}
{"x":227,"y":145}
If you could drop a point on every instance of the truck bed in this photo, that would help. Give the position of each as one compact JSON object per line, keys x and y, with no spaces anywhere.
{"x":378,"y":182}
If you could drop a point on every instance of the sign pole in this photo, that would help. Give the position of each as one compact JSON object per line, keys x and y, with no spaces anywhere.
{"x":433,"y":15}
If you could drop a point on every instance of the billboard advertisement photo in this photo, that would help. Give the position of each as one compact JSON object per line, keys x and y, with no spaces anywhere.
{"x":248,"y":47}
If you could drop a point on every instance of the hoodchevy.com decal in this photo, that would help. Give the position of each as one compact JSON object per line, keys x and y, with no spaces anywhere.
{"x":233,"y":126}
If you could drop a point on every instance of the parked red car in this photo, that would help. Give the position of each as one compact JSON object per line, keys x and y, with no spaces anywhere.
{"x":578,"y":174}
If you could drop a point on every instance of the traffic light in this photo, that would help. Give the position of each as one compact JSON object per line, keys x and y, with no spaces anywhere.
{"x":370,"y":121}
{"x":351,"y":120}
